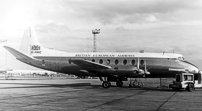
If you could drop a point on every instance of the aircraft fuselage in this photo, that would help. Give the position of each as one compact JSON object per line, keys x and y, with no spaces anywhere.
{"x":121,"y":66}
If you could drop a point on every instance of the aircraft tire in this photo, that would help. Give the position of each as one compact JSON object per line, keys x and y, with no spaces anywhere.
{"x":106,"y":84}
{"x":190,"y":87}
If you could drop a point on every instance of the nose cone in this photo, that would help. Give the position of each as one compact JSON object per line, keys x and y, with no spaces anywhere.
{"x":190,"y":67}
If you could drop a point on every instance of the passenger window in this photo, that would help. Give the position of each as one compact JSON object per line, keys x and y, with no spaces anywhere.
{"x":93,"y":60}
{"x":43,"y":61}
{"x":108,"y":61}
{"x":100,"y":61}
{"x":116,"y":62}
{"x":133,"y":62}
{"x":141,"y":62}
{"x":125,"y":62}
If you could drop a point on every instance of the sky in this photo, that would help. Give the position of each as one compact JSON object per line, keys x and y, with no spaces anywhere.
{"x":125,"y":26}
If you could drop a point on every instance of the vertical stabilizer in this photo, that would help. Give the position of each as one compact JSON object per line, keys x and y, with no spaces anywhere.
{"x":30,"y":44}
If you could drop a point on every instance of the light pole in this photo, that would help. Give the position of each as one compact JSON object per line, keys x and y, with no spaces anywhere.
{"x":94,"y":32}
{"x":6,"y":57}
{"x":6,"y":52}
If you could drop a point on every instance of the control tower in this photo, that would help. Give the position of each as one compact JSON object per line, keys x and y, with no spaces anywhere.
{"x":94,"y":32}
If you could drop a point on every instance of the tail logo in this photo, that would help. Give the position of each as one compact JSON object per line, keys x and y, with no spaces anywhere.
{"x":35,"y":49}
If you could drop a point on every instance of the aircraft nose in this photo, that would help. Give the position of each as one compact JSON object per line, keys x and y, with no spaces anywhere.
{"x":194,"y":69}
{"x":191,"y":67}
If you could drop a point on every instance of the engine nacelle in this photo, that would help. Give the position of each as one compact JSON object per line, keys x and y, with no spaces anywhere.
{"x":142,"y":72}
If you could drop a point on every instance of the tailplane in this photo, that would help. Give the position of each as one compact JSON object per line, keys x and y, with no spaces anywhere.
{"x":18,"y":54}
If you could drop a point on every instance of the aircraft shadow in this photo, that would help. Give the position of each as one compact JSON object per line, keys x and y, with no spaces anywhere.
{"x":80,"y":85}
{"x":27,"y":85}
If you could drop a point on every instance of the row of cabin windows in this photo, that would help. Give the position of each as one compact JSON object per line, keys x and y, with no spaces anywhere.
{"x":117,"y":61}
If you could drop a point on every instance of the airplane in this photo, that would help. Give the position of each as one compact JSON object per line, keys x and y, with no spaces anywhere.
{"x":5,"y":70}
{"x":108,"y":66}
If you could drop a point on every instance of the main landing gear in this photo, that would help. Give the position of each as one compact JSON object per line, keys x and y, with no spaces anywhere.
{"x":107,"y":84}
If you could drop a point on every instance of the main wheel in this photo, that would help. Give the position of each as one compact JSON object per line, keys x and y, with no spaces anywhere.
{"x":190,"y":87}
{"x":106,"y":84}
{"x":119,"y":83}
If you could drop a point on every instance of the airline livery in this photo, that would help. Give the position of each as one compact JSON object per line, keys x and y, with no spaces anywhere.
{"x":108,"y":66}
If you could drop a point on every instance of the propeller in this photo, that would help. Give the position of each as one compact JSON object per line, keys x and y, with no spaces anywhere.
{"x":140,"y":71}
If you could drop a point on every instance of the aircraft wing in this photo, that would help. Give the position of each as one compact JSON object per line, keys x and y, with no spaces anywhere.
{"x":89,"y":65}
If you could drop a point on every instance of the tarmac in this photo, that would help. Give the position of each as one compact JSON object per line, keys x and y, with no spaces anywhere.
{"x":88,"y":95}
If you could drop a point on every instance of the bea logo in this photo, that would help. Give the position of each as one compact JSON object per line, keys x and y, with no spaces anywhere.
{"x":35,"y":47}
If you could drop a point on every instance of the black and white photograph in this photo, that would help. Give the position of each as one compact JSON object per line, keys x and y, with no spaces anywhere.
{"x":100,"y":55}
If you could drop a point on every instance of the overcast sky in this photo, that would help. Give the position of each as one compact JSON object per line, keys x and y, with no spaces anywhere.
{"x":126,"y":26}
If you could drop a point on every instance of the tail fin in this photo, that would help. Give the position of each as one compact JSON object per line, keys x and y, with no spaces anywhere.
{"x":30,"y":44}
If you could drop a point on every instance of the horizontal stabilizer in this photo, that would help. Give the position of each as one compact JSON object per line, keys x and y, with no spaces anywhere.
{"x":18,"y":54}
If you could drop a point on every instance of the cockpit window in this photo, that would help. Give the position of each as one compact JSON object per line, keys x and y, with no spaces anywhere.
{"x":181,"y":58}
